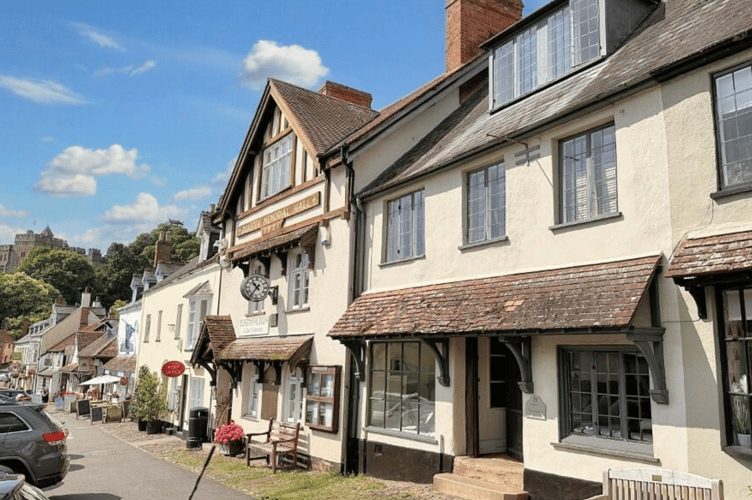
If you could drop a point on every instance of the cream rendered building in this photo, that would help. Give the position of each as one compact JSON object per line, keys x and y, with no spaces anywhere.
{"x":520,"y":263}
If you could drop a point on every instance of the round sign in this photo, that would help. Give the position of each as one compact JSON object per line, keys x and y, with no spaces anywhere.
{"x":254,"y":288}
{"x":173,"y":368}
{"x":123,"y":380}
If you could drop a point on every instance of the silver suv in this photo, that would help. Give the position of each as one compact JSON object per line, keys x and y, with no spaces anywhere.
{"x":33,"y":443}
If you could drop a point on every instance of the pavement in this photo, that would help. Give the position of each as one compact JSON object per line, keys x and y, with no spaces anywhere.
{"x":104,"y":467}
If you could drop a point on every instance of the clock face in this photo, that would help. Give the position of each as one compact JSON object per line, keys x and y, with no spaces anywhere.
{"x":255,"y":288}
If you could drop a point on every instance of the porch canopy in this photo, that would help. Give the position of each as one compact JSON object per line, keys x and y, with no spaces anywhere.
{"x":701,"y":261}
{"x":216,"y":333}
{"x":596,"y":298}
{"x":293,"y":350}
{"x":301,"y":237}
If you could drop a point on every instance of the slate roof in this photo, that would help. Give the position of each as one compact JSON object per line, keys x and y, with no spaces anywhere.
{"x":255,"y":247}
{"x":599,"y":296}
{"x":191,"y":266}
{"x":268,"y":348}
{"x":720,"y":254}
{"x":121,"y":364}
{"x":325,"y":120}
{"x":677,"y":32}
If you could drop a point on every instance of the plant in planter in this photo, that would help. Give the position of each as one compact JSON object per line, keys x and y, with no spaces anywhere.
{"x":230,"y":438}
{"x":150,"y":404}
{"x":741,"y":420}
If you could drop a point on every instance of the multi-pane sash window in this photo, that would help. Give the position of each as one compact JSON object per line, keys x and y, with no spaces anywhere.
{"x":159,"y":327}
{"x":606,"y":394}
{"x":254,"y":391}
{"x":486,"y":203}
{"x":322,"y":398}
{"x":178,"y":320}
{"x":197,"y":392}
{"x":737,"y":364}
{"x":147,"y":328}
{"x":299,"y":280}
{"x":294,"y":396}
{"x":733,"y":91}
{"x":588,"y":175}
{"x":405,"y":235}
{"x":275,"y":173}
{"x":402,"y":392}
{"x":197,"y":309}
{"x":566,"y":39}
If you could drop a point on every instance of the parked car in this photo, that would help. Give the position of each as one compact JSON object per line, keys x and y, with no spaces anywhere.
{"x":13,"y":487}
{"x":12,"y":394}
{"x":33,"y":443}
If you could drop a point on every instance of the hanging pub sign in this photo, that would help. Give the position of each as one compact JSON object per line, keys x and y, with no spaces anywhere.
{"x":173,"y":369}
{"x":254,"y":287}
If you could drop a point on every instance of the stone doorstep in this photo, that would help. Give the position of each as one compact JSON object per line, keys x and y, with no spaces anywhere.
{"x":499,"y":470}
{"x":474,"y":489}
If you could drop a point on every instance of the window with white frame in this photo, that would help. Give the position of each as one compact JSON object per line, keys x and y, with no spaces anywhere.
{"x":605,"y":393}
{"x":486,"y":203}
{"x":254,"y":392}
{"x":197,"y":309}
{"x":178,"y":320}
{"x":275,"y":172}
{"x":147,"y":328}
{"x":294,"y":396}
{"x":733,"y":95}
{"x":299,"y":279}
{"x":405,"y":233}
{"x":256,"y":306}
{"x":588,"y":175}
{"x":565,"y":39}
{"x":159,"y":327}
{"x":197,"y":393}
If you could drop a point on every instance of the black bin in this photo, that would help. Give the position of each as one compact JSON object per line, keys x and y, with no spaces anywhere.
{"x":198,"y":421}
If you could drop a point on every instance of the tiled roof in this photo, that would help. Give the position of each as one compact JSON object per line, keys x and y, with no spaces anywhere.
{"x":48,"y":372}
{"x":70,"y":368}
{"x":725,"y":253}
{"x":677,"y":31}
{"x":86,"y":338}
{"x":60,"y":347}
{"x":268,"y":348}
{"x":121,"y":364}
{"x":593,"y":296}
{"x":100,"y":348}
{"x":6,"y":338}
{"x":221,"y":332}
{"x":251,"y":248}
{"x":191,"y":266}
{"x":325,"y":120}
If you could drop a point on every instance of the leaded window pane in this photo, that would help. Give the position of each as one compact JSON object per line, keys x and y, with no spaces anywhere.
{"x":504,"y":73}
{"x":527,"y":60}
{"x":559,"y":44}
{"x":486,"y":204}
{"x":734,"y":107}
{"x":405,"y":227}
{"x":586,"y":33}
{"x":275,"y":173}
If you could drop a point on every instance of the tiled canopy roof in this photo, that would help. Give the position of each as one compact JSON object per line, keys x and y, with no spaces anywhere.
{"x":268,"y":349}
{"x":302,"y":235}
{"x":60,"y":347}
{"x":725,"y":253}
{"x":220,"y":330}
{"x":121,"y":364}
{"x":100,"y":348}
{"x":593,"y":296}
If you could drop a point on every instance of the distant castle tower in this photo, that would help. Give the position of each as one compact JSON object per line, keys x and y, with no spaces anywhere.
{"x":12,"y":255}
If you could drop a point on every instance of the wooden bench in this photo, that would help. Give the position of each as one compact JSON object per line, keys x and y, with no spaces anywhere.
{"x":281,"y":439}
{"x":658,"y":484}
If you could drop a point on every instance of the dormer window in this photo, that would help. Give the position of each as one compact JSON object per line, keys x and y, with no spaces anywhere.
{"x":545,"y":51}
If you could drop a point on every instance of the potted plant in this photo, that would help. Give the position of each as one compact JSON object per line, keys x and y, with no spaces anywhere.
{"x":231,"y":438}
{"x":133,"y":412}
{"x":741,"y":420}
{"x":150,"y":403}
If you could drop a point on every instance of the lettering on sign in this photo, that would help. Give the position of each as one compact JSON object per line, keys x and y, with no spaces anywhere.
{"x":274,"y":220}
{"x":255,"y":325}
{"x":535,"y":408}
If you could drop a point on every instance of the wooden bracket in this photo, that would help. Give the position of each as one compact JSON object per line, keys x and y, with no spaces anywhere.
{"x":277,"y":365}
{"x":282,"y":256}
{"x":235,"y":369}
{"x":209,"y":368}
{"x":650,"y":344}
{"x":698,"y":294}
{"x":440,"y":348}
{"x":357,"y":348}
{"x":522,"y":352}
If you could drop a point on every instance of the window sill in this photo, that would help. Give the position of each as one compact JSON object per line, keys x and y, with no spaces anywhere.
{"x":297,"y":310}
{"x":607,"y":448}
{"x":738,"y":452}
{"x":250,"y":418}
{"x":477,"y":244}
{"x":402,"y":261}
{"x":253,"y":314}
{"x":730,"y":191}
{"x":595,"y":220}
{"x":401,"y":435}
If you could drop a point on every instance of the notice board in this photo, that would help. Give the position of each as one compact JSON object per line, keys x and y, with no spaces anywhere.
{"x":82,"y":407}
{"x":96,"y":414}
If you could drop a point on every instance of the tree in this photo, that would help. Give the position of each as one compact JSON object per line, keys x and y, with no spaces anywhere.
{"x":67,"y":271}
{"x":114,"y":278}
{"x":149,"y":401}
{"x":24,"y":298}
{"x":185,"y":245}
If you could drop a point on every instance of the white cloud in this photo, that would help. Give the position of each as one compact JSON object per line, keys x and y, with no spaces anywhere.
{"x":144,"y":211}
{"x":41,"y":91}
{"x":8,"y":234}
{"x":101,"y":40}
{"x":6,"y":212}
{"x":48,"y":138}
{"x":73,"y":172}
{"x":290,"y":63}
{"x":146,"y":66}
{"x":222,"y":177}
{"x":158,"y":180}
{"x":194,"y":193}
{"x":126,"y":70}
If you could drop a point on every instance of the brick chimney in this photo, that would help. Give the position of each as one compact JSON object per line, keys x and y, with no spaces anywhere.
{"x":85,"y":304}
{"x":347,"y":94}
{"x":471,"y":22}
{"x":162,"y":250}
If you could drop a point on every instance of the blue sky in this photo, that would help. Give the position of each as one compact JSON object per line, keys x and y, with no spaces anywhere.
{"x":116,"y":116}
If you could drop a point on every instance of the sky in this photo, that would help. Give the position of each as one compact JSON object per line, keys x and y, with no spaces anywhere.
{"x":117,"y":116}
